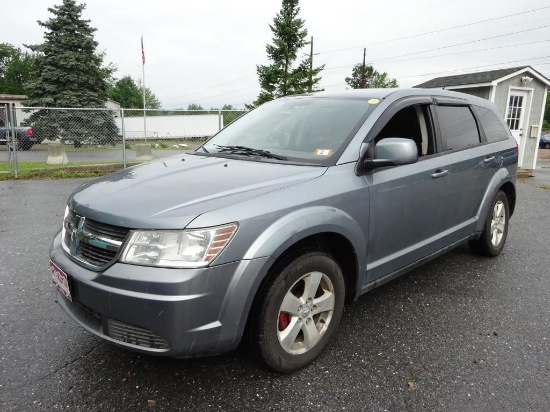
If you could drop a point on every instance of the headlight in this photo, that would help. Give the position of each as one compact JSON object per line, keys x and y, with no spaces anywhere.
{"x":177,"y":248}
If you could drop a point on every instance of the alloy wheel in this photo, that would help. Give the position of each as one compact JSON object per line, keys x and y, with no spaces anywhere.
{"x":305,"y":313}
{"x":498,"y":223}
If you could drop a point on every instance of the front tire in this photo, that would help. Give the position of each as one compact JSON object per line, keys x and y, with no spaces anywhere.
{"x":299,"y":310}
{"x":492,"y":239}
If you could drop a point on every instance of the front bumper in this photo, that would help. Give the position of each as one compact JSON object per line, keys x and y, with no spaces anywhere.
{"x":168,"y":312}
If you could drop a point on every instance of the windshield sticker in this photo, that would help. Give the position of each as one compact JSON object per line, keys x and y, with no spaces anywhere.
{"x":323,"y":152}
{"x":374,"y":101}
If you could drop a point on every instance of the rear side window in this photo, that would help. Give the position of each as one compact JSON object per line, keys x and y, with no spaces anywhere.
{"x":458,"y":127}
{"x":491,"y":124}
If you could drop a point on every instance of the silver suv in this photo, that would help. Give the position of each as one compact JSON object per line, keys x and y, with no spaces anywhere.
{"x":273,"y":224}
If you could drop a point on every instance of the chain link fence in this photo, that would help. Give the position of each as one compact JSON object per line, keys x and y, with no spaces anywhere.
{"x":57,"y":142}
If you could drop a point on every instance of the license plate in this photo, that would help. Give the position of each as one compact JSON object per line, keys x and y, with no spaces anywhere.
{"x":61,"y":280}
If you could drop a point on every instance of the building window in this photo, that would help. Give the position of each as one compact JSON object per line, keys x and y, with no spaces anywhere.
{"x":515,"y":107}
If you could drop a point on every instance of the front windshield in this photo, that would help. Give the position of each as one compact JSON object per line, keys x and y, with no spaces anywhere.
{"x":303,"y":129}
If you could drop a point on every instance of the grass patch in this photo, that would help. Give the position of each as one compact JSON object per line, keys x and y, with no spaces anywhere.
{"x":40,"y":170}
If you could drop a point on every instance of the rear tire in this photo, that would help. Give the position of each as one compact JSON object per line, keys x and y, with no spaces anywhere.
{"x":298,"y":311}
{"x":492,"y":239}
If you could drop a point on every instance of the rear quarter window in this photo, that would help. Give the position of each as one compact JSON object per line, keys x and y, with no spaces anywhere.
{"x":491,"y":124}
{"x":458,"y":127}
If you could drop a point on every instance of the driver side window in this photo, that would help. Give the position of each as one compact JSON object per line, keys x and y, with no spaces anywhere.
{"x":412,"y":122}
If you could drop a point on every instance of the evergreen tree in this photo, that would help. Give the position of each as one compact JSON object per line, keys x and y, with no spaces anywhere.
{"x":280,"y":78}
{"x":373,"y":78}
{"x":70,"y":73}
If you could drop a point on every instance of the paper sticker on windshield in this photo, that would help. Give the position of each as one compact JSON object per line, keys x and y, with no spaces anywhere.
{"x":323,"y":152}
{"x":374,"y":101}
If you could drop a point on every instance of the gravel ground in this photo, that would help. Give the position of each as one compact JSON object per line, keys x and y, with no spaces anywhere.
{"x":462,"y":333}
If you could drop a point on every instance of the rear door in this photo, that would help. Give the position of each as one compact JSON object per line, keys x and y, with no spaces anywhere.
{"x":472,"y":163}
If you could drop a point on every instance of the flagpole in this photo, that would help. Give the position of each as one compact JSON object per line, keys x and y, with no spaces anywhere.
{"x":143,"y":89}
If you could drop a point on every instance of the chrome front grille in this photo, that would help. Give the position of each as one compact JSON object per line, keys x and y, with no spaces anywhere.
{"x":103,"y":230}
{"x":92,"y":243}
{"x":96,"y":256}
{"x":134,"y":335}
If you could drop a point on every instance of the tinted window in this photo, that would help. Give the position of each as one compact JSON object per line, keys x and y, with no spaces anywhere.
{"x":491,"y":124}
{"x":458,"y":126}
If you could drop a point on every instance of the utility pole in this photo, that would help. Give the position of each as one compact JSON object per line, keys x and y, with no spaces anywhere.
{"x":363,"y":79}
{"x":310,"y":86}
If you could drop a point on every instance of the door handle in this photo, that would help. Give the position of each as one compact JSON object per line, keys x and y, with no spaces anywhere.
{"x":489,"y":159}
{"x":440,"y":173}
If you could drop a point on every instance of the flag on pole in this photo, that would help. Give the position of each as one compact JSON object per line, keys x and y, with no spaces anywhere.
{"x":142,"y":51}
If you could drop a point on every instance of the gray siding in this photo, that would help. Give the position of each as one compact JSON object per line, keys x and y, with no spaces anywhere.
{"x":527,"y":157}
{"x":483,"y":92}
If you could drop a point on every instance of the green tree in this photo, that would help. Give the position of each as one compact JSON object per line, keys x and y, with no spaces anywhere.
{"x":129,"y":94}
{"x":373,"y":78}
{"x":281,"y":78}
{"x":151,"y":101}
{"x":16,"y":67}
{"x":69,"y":72}
{"x":228,"y":112}
{"x":193,"y":106}
{"x":126,"y":93}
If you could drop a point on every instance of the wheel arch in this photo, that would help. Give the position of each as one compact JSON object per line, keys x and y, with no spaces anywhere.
{"x":301,"y":232}
{"x":510,"y":190}
{"x":320,"y":228}
{"x":502,"y":180}
{"x":331,"y":243}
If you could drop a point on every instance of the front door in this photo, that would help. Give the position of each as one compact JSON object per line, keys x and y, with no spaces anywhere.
{"x":408,"y":202}
{"x":516,"y":116}
{"x":407,"y":211}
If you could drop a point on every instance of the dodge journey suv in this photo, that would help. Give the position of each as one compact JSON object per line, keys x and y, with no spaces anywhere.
{"x":273,"y":224}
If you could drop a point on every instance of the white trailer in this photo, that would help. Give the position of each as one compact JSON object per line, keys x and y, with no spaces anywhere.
{"x":171,"y":127}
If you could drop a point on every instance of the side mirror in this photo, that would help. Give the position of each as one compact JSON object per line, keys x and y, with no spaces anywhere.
{"x":392,"y":151}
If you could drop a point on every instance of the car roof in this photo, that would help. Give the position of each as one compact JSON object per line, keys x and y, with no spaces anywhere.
{"x":395,"y":94}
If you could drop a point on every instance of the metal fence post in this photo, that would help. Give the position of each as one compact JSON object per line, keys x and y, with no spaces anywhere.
{"x":6,"y":138}
{"x":123,"y":138}
{"x":219,"y":120}
{"x":11,"y":120}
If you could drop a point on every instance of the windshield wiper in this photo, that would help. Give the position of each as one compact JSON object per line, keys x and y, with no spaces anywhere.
{"x":243,"y":150}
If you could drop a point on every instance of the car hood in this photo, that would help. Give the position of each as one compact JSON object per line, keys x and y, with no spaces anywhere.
{"x":170,"y":193}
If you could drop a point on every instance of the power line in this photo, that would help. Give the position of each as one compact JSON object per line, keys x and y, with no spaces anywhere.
{"x":347,"y":66}
{"x":395,"y":57}
{"x":217,"y":95}
{"x":436,"y":31}
{"x":467,"y":42}
{"x":471,"y":51}
{"x":399,"y":77}
{"x":475,"y":67}
{"x":394,"y":17}
{"x":456,"y":70}
{"x":208,"y":88}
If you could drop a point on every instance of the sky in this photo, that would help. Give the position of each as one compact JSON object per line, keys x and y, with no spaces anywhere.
{"x":207,"y":53}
